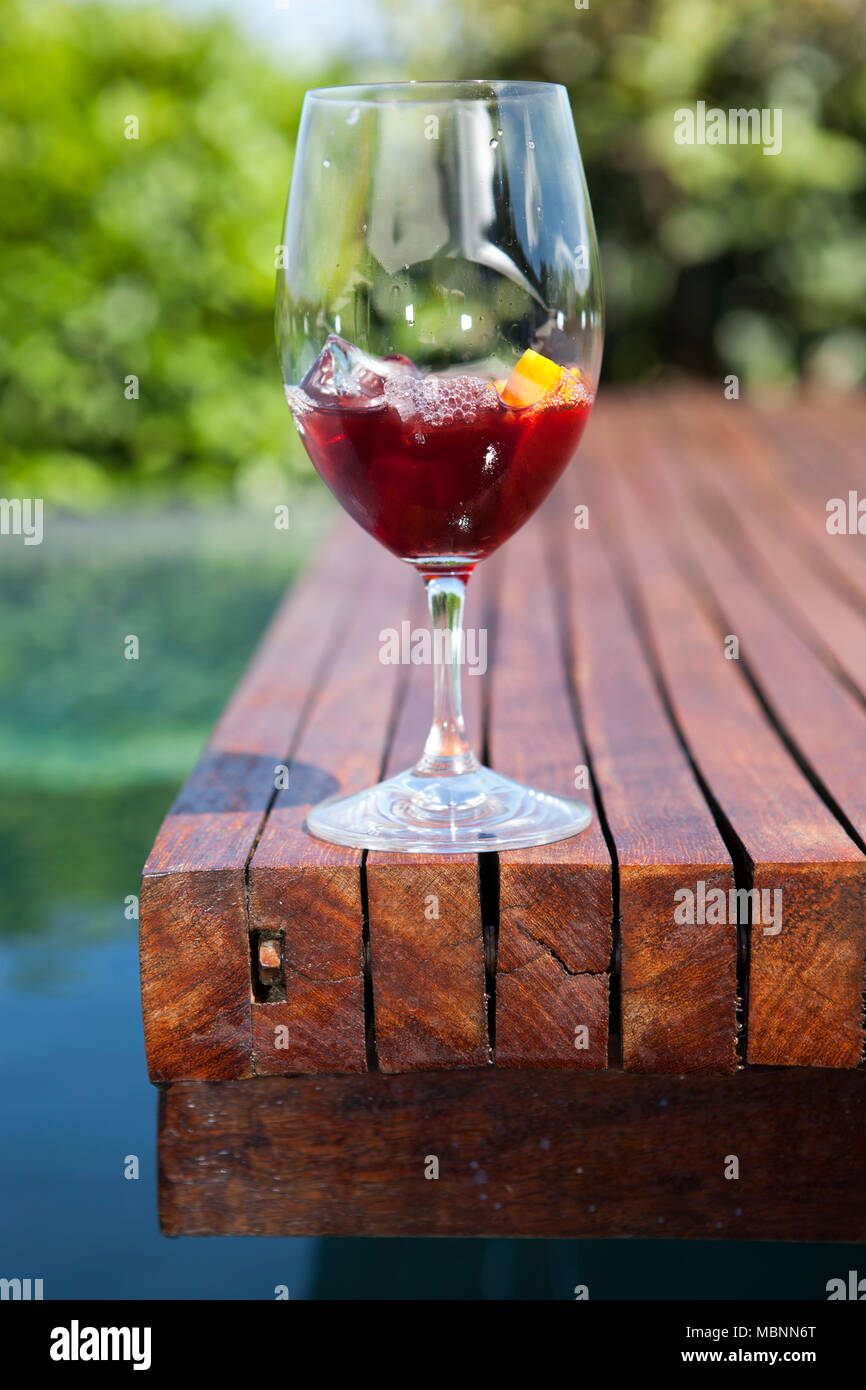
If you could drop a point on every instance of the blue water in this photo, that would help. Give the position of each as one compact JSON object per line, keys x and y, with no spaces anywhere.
{"x":84,"y":788}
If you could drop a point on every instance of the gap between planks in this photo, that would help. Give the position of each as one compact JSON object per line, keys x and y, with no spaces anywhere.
{"x":193,"y":895}
{"x":805,"y":1002}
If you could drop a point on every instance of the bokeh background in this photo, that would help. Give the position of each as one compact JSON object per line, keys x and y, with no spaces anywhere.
{"x":155,"y":257}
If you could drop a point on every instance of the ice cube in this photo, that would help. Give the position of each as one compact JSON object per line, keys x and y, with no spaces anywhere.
{"x":344,"y":374}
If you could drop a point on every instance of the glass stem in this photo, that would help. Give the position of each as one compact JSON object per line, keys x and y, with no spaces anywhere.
{"x":446,"y":752}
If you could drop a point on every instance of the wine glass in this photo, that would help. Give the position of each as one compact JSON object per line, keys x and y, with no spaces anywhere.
{"x":439,"y":322}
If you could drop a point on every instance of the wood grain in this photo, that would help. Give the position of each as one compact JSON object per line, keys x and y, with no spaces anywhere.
{"x":678,"y":981}
{"x":790,"y":462}
{"x":735,"y":506}
{"x":827,"y":724}
{"x":520,"y":1153}
{"x":305,"y":892}
{"x":555,"y":901}
{"x":825,"y":721}
{"x":793,"y":843}
{"x":426,"y":933}
{"x":194,"y":945}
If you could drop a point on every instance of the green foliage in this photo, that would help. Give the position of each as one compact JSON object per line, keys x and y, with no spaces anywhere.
{"x":154,"y":257}
{"x":151,"y":257}
{"x":717,"y":258}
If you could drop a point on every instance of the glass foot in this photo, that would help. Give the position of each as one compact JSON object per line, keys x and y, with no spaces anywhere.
{"x":464,"y":813}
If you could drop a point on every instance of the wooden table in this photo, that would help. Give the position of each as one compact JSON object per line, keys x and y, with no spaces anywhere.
{"x":679,"y":633}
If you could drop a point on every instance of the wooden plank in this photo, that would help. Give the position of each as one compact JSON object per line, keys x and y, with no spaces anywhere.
{"x":838,"y":428}
{"x":828,"y":726}
{"x":803,"y":1006}
{"x":678,"y":981}
{"x":426,"y":935}
{"x":770,"y":451}
{"x":194,"y":946}
{"x":833,"y":623}
{"x":305,"y":893}
{"x":555,"y":901}
{"x":819,"y":467}
{"x":520,"y":1153}
{"x":826,"y":722}
{"x":562,"y":695}
{"x":789,"y":461}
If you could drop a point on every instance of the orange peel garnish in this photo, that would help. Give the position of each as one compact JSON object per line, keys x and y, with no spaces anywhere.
{"x":533,"y":378}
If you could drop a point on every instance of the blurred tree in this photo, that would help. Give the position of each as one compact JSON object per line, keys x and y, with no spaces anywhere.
{"x":148,"y":257}
{"x":154,"y":257}
{"x":717,"y":258}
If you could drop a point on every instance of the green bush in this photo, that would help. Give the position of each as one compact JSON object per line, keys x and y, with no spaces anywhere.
{"x":151,"y":257}
{"x":154,"y":257}
{"x":717,"y":259}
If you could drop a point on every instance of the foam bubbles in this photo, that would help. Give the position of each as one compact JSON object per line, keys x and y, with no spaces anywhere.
{"x":439,"y":401}
{"x":569,"y":391}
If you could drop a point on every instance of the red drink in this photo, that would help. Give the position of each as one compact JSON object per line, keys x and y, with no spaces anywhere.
{"x":436,"y":467}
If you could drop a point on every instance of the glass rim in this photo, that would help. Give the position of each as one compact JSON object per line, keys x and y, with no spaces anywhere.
{"x":477,"y":89}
